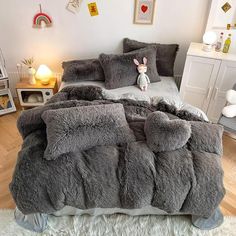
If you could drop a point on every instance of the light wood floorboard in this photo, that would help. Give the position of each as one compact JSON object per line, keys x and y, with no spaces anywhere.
{"x":10,"y":143}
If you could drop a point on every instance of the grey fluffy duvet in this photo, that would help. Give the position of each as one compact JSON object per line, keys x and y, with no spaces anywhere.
{"x":139,"y":155}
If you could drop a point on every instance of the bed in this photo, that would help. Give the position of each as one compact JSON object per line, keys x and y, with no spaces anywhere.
{"x":162,"y":156}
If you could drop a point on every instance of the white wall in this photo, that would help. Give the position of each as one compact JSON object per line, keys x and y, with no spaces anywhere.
{"x":81,"y":36}
{"x":218,"y":20}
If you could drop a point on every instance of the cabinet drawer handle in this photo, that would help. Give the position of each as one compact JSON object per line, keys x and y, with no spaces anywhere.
{"x":208,"y":93}
{"x":216,"y":93}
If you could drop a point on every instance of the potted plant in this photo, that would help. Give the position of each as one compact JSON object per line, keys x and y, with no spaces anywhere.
{"x":31,"y":71}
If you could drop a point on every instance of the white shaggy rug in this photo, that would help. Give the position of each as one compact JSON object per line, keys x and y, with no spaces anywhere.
{"x":117,"y":225}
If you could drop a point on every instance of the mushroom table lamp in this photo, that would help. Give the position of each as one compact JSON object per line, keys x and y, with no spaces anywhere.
{"x":209,"y":39}
{"x":44,"y":74}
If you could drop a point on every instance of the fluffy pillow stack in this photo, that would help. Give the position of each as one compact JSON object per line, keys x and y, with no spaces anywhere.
{"x":165,"y":54}
{"x":118,"y":70}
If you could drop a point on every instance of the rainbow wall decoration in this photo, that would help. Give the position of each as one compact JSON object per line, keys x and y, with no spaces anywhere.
{"x":42,"y":17}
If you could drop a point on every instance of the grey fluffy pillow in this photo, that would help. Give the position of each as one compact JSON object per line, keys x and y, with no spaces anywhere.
{"x":165,"y":57}
{"x":82,"y":70}
{"x":206,"y":137}
{"x":81,"y":128}
{"x":120,"y":70}
{"x":163,"y":134}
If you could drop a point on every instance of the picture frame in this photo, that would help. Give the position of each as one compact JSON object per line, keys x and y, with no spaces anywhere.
{"x":144,"y":11}
{"x":6,"y":102}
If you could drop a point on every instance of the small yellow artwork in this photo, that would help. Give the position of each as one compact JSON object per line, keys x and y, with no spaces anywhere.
{"x":93,"y":9}
{"x":226,"y":7}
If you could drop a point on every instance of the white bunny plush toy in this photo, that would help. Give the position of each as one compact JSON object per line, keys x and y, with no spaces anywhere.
{"x":230,"y":110}
{"x":143,"y":80}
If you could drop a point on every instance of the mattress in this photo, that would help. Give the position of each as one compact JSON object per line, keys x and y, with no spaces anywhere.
{"x":165,"y":90}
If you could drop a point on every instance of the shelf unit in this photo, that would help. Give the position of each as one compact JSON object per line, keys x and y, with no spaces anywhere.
{"x":44,"y":92}
{"x":6,"y":101}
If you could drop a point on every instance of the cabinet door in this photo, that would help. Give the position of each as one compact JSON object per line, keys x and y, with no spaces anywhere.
{"x":198,"y":81}
{"x":225,"y":81}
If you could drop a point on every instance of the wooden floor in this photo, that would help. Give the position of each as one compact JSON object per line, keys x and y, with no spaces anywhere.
{"x":10,"y":142}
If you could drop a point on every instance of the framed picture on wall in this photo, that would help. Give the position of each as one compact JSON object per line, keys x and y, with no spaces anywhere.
{"x":6,"y":102}
{"x":144,"y":11}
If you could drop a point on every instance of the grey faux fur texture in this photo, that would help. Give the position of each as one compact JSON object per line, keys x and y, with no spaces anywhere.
{"x":82,"y":70}
{"x":207,"y":169}
{"x":81,"y":128}
{"x":125,"y":176}
{"x":163,"y":134}
{"x":120,"y":70}
{"x":198,"y":135}
{"x":178,"y":166}
{"x":88,"y":93}
{"x":165,"y":56}
{"x":206,"y":137}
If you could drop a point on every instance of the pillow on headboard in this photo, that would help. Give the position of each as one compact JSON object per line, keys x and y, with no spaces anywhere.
{"x":82,"y":70}
{"x":165,"y":57}
{"x":120,"y":70}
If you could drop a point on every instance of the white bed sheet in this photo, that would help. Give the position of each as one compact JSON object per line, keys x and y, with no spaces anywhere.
{"x":165,"y":90}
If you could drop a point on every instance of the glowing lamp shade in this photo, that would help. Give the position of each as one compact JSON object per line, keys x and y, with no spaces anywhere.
{"x":209,"y":39}
{"x":44,"y":74}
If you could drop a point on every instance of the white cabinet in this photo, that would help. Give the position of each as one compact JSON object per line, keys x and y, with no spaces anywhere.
{"x":225,"y":80}
{"x":198,"y":81}
{"x":206,"y":79}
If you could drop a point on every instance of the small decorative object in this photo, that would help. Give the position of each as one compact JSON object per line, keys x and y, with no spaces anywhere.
{"x":19,"y":70}
{"x":227,"y":44}
{"x":229,"y":26}
{"x":35,"y":98}
{"x":143,"y":80}
{"x":31,"y":71}
{"x":219,"y":42}
{"x":209,"y":39}
{"x":6,"y":102}
{"x":44,"y":74}
{"x":144,"y":11}
{"x":73,"y":6}
{"x":226,"y":7}
{"x":3,"y":72}
{"x":40,"y":18}
{"x":93,"y":9}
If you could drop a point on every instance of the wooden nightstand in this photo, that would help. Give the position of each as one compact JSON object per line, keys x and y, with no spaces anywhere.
{"x":37,"y":94}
